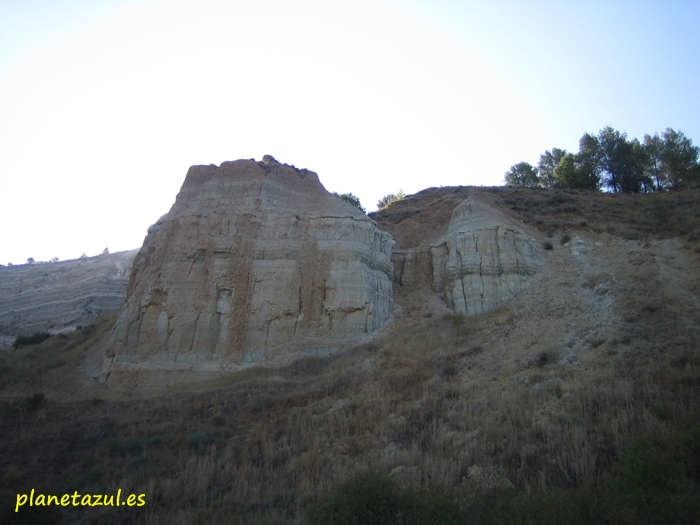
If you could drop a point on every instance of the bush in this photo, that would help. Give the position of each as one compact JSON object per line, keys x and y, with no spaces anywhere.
{"x":547,"y":245}
{"x":390,"y":198}
{"x":33,"y":402}
{"x":565,"y":239}
{"x":645,"y":469}
{"x":366,"y":499}
{"x":29,"y":340}
{"x":350,"y":199}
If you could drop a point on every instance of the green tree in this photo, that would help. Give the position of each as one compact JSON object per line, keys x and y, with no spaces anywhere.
{"x":352,"y":199}
{"x":588,"y":162}
{"x":548,"y":161}
{"x":523,"y":175}
{"x":680,"y":161}
{"x":654,"y":160}
{"x":621,"y":161}
{"x":565,"y":173}
{"x":580,"y":170}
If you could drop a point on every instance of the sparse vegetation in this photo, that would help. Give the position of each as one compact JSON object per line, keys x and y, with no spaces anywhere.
{"x":390,"y":199}
{"x":351,"y":199}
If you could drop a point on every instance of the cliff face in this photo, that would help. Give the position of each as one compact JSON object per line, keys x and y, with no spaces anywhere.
{"x":484,"y":259}
{"x":475,"y":258}
{"x":255,"y":262}
{"x":54,"y":297}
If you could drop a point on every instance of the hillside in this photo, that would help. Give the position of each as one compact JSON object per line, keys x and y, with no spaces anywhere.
{"x":574,"y":399}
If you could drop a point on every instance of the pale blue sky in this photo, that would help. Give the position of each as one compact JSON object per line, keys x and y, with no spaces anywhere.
{"x":105,"y":104}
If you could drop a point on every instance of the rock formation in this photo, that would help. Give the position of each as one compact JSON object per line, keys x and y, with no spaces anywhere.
{"x":255,"y":262}
{"x":58,"y":296}
{"x":483,"y":260}
{"x":476,"y":258}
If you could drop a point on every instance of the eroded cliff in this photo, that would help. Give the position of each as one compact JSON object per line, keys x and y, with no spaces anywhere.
{"x":463,"y":247}
{"x":255,"y":263}
{"x":58,"y":296}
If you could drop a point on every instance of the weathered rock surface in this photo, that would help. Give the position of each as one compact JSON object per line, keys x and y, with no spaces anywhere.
{"x":255,"y":263}
{"x":58,"y":296}
{"x":476,"y":258}
{"x":484,"y":260}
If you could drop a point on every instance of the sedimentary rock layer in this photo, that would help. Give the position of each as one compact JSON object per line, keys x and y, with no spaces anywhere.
{"x":58,"y":296}
{"x":255,"y":262}
{"x":484,"y":260}
{"x":476,"y":258}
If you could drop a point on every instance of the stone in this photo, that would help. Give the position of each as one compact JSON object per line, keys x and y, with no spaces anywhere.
{"x":255,"y":263}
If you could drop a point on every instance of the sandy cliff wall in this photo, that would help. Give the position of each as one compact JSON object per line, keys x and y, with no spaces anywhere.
{"x":59,"y":296}
{"x":255,"y":262}
{"x":461,"y":246}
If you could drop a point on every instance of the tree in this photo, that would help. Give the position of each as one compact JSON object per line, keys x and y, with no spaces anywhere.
{"x":654,"y":161}
{"x":588,"y":161}
{"x":621,"y":161}
{"x":566,"y":173}
{"x":390,"y":198}
{"x":31,"y":260}
{"x":522,"y":175}
{"x":350,"y":198}
{"x":548,"y":161}
{"x":639,"y":161}
{"x":105,"y":251}
{"x":680,"y":161}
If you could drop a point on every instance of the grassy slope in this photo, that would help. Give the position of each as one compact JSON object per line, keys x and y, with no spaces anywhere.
{"x":448,"y":393}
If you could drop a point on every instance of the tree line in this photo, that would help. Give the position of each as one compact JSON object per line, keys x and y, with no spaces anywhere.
{"x":615,"y":163}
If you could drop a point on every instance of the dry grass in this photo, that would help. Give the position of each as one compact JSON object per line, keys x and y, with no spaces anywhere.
{"x":632,"y":217}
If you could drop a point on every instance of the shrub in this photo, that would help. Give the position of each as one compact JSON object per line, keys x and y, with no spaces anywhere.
{"x":372,"y":498}
{"x":29,"y":340}
{"x":547,"y":245}
{"x":546,"y":358}
{"x":351,"y":199}
{"x":33,"y":402}
{"x":565,"y":239}
{"x":449,"y":370}
{"x":366,"y":499}
{"x":645,"y":469}
{"x":390,"y":198}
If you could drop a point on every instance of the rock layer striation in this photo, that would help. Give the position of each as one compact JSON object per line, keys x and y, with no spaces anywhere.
{"x":59,"y":296}
{"x":484,"y":260}
{"x":476,"y":258}
{"x":255,"y":263}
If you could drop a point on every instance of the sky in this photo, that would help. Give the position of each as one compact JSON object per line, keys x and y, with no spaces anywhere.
{"x":104,"y":104}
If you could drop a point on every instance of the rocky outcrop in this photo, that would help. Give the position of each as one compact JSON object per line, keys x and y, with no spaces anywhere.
{"x":59,"y":296}
{"x":255,"y":263}
{"x":483,"y":261}
{"x":476,"y":259}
